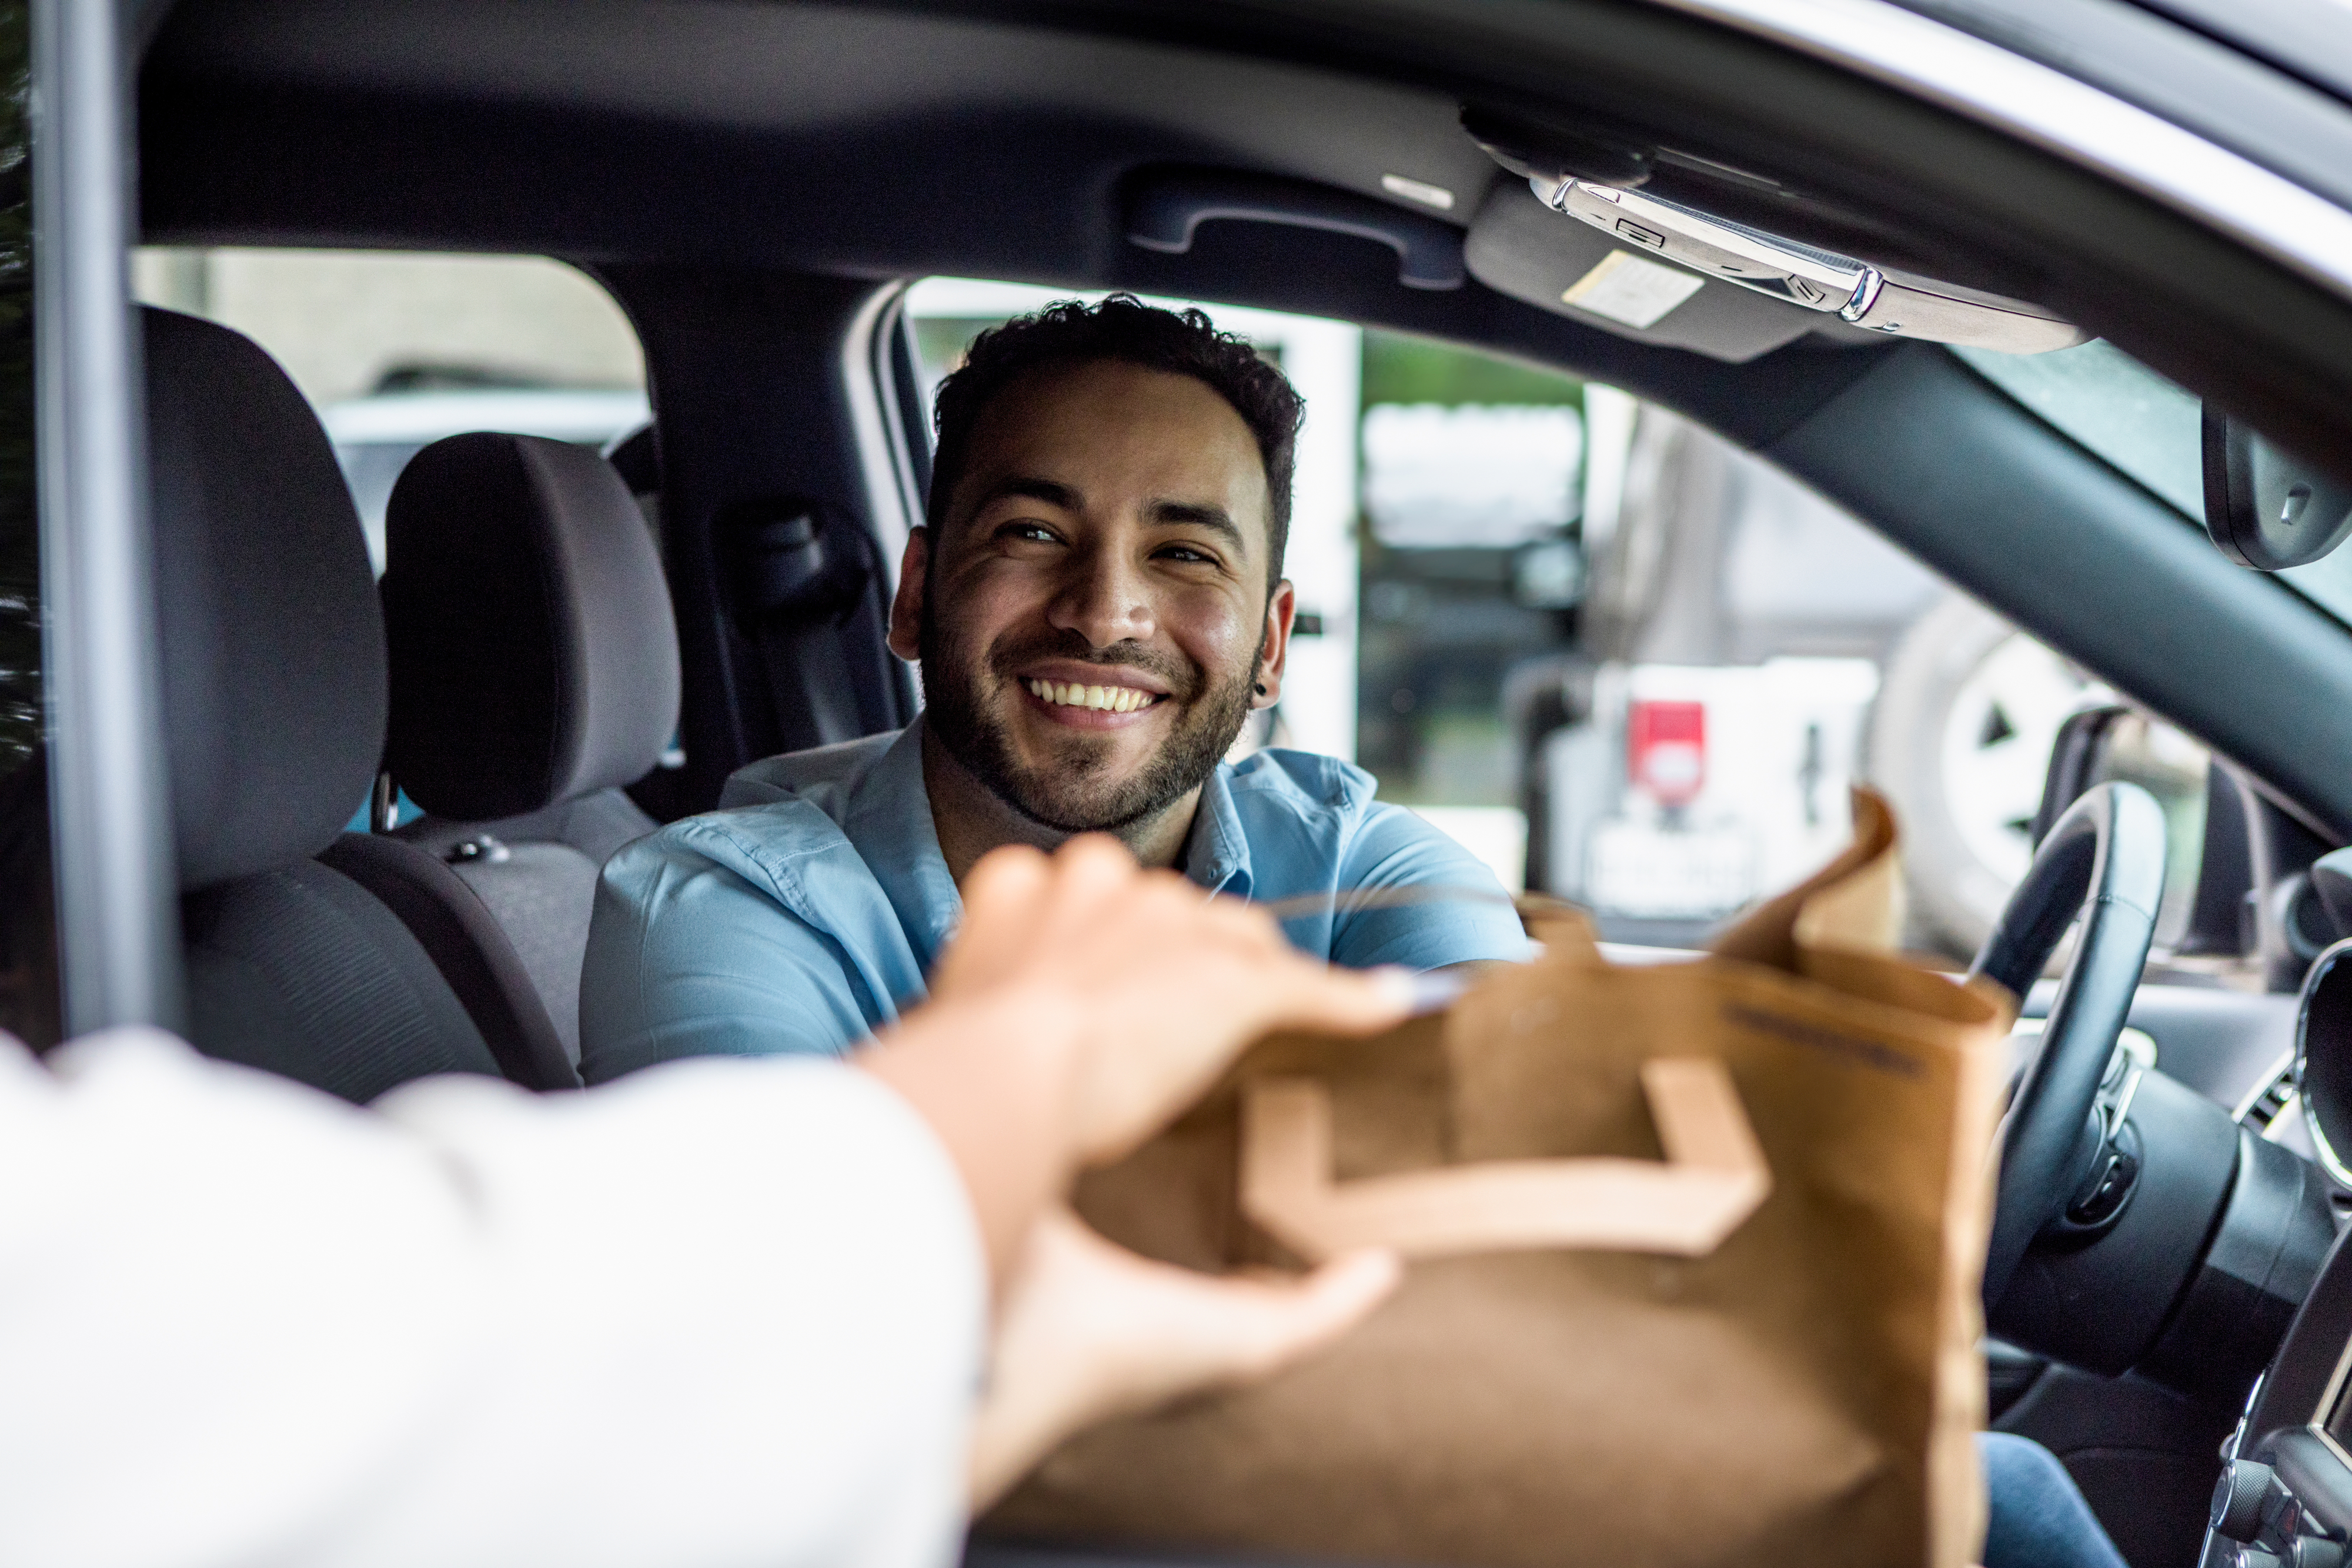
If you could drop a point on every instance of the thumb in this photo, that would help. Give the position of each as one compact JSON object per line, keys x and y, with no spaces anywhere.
{"x":1276,"y":1324}
{"x":1330,"y":1000}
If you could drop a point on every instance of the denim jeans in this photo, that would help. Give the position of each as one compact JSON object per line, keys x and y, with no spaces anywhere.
{"x":2039,"y":1517}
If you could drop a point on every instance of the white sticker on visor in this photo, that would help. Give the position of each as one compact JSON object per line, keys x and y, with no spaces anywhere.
{"x":1632,"y":291}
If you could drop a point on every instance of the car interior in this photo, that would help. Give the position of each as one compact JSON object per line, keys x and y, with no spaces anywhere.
{"x":757,"y":187}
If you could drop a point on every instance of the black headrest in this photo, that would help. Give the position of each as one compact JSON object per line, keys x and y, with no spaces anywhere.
{"x":273,"y":664}
{"x":534,"y":658}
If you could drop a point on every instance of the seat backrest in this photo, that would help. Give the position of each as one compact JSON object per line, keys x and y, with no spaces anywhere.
{"x":274,"y":689}
{"x":534,"y":673}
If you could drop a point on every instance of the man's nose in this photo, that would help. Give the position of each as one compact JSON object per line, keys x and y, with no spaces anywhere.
{"x":1103,"y":598}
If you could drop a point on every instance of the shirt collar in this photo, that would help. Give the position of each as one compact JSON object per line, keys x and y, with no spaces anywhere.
{"x":889,"y":819}
{"x":1218,"y":855}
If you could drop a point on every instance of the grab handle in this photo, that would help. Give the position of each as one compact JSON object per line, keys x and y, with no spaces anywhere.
{"x":1713,"y":1177}
{"x":1165,"y":207}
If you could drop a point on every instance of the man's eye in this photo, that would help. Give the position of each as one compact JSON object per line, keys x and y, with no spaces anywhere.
{"x":1033,"y":533}
{"x":1187,"y":555}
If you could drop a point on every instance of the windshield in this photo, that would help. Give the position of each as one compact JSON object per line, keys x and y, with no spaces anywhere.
{"x":2145,"y":425}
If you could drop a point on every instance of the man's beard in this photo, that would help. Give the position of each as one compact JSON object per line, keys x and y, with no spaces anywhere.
{"x":1071,"y":792}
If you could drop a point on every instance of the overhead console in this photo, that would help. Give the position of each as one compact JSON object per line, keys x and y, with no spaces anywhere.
{"x":1665,"y":248}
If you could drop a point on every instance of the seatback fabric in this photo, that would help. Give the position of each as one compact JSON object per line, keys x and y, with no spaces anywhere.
{"x":301,"y":971}
{"x":542,"y":895}
{"x":533,"y":651}
{"x":495,"y":981}
{"x":273,"y":668}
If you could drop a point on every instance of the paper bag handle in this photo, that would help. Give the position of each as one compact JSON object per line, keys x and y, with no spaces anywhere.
{"x":1713,"y":1177}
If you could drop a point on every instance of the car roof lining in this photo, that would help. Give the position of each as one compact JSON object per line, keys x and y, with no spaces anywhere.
{"x":931,"y":142}
{"x":926,"y":118}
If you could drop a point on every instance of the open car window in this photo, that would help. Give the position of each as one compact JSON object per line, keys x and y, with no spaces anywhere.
{"x":1624,"y":660}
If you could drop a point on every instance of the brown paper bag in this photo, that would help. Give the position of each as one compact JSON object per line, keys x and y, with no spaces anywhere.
{"x":1695,"y":1253}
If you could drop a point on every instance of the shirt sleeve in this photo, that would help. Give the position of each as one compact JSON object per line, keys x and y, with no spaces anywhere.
{"x":687,"y":958}
{"x":241,"y":1322}
{"x":1392,"y":848}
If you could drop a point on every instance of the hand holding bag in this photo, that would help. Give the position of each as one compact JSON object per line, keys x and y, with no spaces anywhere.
{"x":1694,"y":1251}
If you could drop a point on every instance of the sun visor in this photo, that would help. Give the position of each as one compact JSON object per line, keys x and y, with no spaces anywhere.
{"x":1820,"y":282}
{"x":1518,"y":246}
{"x":1909,"y":305}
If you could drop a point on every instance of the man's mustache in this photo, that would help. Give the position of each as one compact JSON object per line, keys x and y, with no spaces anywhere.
{"x":1183,"y":681}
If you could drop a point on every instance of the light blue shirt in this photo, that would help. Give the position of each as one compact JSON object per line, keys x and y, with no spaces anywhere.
{"x":803,"y":913}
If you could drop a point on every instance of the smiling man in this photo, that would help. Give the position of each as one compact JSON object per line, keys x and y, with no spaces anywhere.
{"x":1098,"y":605}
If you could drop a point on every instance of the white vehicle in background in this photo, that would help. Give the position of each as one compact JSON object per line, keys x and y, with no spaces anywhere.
{"x":1751,"y":654}
{"x":375,"y":436}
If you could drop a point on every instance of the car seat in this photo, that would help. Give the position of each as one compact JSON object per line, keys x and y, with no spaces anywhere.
{"x":534,"y":673}
{"x":352,"y":962}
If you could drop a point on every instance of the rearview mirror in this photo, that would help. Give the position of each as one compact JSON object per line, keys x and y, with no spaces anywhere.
{"x":2263,"y":508}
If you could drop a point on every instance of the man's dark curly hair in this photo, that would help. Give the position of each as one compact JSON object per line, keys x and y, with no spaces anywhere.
{"x":1124,"y":329}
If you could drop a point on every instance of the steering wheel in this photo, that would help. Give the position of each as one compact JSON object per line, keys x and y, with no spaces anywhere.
{"x":2105,"y":860}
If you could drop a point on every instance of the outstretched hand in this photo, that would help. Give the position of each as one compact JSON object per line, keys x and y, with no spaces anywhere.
{"x":1162,"y":984}
{"x":1089,"y":1330}
{"x":1083,"y":1003}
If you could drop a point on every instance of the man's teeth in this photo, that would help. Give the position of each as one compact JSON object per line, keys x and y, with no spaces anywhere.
{"x":1110,"y":699}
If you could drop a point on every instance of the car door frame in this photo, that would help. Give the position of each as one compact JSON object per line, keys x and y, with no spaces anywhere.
{"x":111,"y":835}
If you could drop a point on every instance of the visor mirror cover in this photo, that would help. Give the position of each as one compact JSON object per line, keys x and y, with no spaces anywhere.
{"x":1899,"y":304}
{"x":1518,"y":248}
{"x":2263,"y":508}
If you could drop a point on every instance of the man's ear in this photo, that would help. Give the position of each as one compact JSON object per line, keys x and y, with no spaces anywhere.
{"x":1281,"y":610}
{"x":907,"y":604}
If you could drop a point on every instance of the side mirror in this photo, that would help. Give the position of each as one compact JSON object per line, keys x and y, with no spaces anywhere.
{"x":2263,"y":508}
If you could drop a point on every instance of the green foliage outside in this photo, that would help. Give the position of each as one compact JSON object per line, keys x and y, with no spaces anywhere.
{"x":1401,"y":369}
{"x":941,"y":342}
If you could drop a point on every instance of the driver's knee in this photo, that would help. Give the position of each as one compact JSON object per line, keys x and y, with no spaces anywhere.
{"x":2039,"y":1519}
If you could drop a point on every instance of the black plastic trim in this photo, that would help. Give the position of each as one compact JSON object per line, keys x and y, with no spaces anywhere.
{"x":1164,"y":206}
{"x":2315,"y":1473}
{"x":2120,"y":580}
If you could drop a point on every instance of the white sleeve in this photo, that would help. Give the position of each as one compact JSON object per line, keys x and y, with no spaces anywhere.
{"x":725,"y":1311}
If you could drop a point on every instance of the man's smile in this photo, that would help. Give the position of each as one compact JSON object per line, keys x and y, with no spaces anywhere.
{"x":1109,"y":699}
{"x":1077,"y":694}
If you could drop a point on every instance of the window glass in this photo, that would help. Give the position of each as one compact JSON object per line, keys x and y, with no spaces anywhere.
{"x":1471,"y":573}
{"x":2145,"y":425}
{"x":2171,"y":767}
{"x":2115,"y":406}
{"x":29,"y":1001}
{"x":397,"y":350}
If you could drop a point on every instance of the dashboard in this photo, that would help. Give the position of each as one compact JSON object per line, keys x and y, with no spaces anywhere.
{"x":2283,"y":1499}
